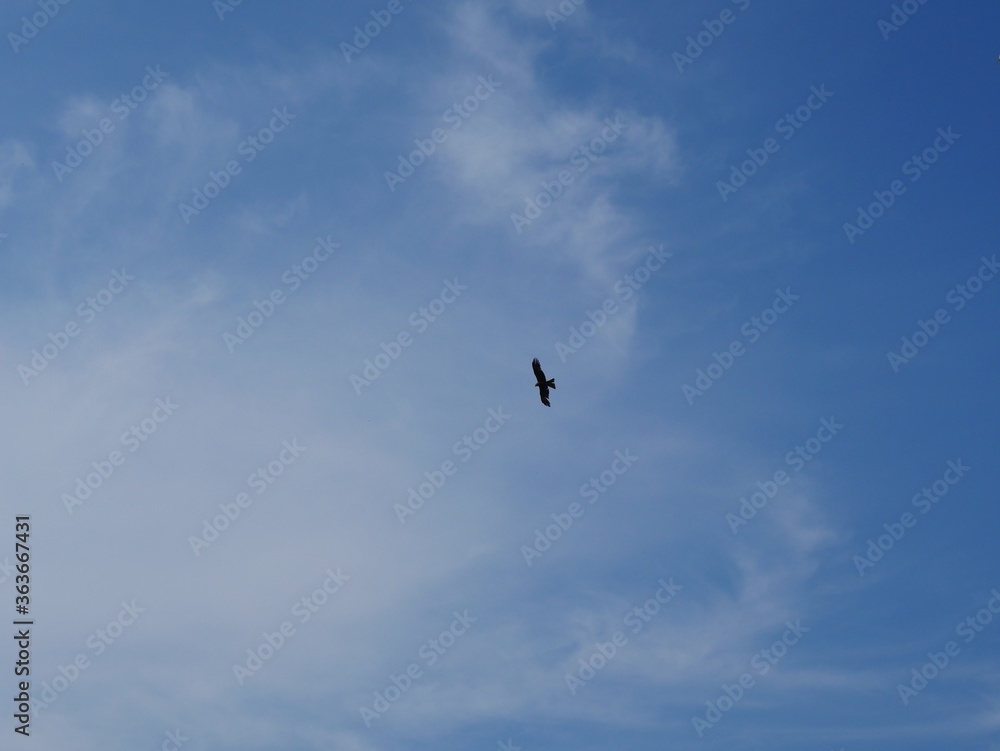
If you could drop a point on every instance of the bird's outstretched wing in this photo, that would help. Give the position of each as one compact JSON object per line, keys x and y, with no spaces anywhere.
{"x":537,"y":367}
{"x":544,"y":394}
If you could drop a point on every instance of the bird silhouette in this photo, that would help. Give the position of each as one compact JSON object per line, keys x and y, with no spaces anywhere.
{"x":543,"y":385}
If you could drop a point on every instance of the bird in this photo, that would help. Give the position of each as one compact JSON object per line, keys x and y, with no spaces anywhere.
{"x":543,"y":385}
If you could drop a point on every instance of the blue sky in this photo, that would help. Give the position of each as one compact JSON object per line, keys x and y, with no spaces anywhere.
{"x":272,"y":284}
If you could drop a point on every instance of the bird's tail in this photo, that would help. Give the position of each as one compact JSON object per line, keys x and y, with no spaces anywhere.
{"x":551,"y":383}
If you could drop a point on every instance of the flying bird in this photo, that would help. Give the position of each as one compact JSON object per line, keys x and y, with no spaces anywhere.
{"x":543,"y":385}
